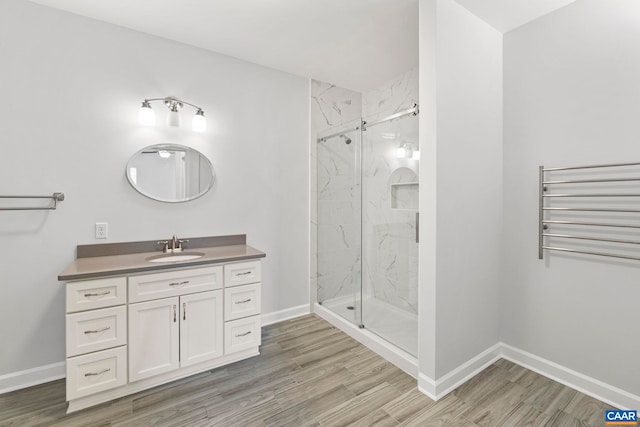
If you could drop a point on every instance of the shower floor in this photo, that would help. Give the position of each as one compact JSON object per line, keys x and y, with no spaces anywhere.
{"x":391,"y":323}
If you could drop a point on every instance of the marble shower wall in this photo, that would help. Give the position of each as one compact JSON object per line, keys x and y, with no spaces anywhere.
{"x":335,"y":270}
{"x":390,"y":252}
{"x":397,"y":94}
{"x":390,"y":255}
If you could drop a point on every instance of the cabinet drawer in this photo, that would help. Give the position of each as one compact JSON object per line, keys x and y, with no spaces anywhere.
{"x":242,"y":273}
{"x":241,"y":301}
{"x":95,"y":372}
{"x":99,"y":293}
{"x":96,"y":330}
{"x":242,"y":334}
{"x":173,"y":283}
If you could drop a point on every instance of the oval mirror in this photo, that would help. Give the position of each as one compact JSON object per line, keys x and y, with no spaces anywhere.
{"x":170,"y":173}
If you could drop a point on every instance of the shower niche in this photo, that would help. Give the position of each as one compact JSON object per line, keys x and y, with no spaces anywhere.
{"x":404,"y":189}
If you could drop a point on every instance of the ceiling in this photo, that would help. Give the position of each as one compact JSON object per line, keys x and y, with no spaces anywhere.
{"x":356,"y":44}
{"x":506,"y":15}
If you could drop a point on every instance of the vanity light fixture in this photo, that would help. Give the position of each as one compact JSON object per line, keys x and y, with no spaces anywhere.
{"x":147,"y":117}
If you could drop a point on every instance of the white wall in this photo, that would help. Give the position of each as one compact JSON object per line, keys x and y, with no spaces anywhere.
{"x":461,"y":187}
{"x":571,"y":97}
{"x":72,"y":88}
{"x":469,"y":185}
{"x":427,"y":192}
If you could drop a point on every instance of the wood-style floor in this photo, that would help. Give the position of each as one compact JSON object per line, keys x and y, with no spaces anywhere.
{"x":311,"y":374}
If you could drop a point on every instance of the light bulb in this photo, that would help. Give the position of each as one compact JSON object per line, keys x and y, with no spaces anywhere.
{"x":199,"y":123}
{"x":416,"y":155}
{"x":146,"y":116}
{"x":164,"y":154}
{"x":173,"y":118}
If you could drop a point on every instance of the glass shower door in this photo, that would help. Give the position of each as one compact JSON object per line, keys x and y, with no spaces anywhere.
{"x":390,"y":170}
{"x":339,"y":212}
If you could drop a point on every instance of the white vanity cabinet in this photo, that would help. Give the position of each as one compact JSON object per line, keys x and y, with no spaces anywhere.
{"x":130,"y":333}
{"x":170,"y":333}
{"x":242,"y":306}
{"x":96,"y":337}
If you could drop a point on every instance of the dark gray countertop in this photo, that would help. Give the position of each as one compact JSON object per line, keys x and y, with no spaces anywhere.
{"x":128,"y":263}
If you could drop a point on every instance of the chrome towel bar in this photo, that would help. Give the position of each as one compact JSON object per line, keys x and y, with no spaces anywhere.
{"x":588,"y":210}
{"x":56,"y":197}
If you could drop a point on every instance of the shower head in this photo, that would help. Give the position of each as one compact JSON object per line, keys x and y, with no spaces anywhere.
{"x":347,"y":140}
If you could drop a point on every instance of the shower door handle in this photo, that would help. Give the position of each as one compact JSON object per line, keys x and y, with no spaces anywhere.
{"x":417,"y":227}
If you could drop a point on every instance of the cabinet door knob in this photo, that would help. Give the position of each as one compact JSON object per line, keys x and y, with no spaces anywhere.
{"x":184,"y":311}
{"x":174,"y":313}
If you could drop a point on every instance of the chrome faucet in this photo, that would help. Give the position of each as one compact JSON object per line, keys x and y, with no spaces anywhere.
{"x":176,"y":244}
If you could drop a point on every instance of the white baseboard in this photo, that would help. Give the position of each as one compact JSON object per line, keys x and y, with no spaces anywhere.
{"x":427,"y":386}
{"x":597,"y":389}
{"x":31,"y":377}
{"x":575,"y":380}
{"x":286,"y":314}
{"x":437,"y":389}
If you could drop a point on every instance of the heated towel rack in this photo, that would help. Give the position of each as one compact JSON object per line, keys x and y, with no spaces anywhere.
{"x":56,"y":197}
{"x":591,"y":210}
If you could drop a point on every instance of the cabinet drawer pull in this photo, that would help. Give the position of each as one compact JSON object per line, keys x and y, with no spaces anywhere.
{"x":178,"y":283}
{"x":97,"y":331}
{"x":99,"y":294}
{"x":93,"y":374}
{"x":243,"y":274}
{"x":243,"y":335}
{"x":243,"y":301}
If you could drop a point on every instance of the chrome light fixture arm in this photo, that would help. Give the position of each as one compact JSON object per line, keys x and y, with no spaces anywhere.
{"x":173,"y":104}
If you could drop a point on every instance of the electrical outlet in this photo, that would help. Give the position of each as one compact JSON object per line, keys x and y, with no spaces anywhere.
{"x":102,"y":230}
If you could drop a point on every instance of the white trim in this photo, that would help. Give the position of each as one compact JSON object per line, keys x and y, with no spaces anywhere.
{"x":597,"y":389}
{"x":427,"y":386}
{"x":286,"y":314}
{"x":576,"y":380}
{"x":435,"y":390}
{"x":393,"y":354}
{"x":438,"y":389}
{"x":30,"y":377}
{"x":463,"y":373}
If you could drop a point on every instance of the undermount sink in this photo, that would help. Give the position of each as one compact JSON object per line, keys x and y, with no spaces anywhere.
{"x":182,"y":256}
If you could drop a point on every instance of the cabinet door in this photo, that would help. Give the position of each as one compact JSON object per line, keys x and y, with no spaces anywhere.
{"x":153,"y":338}
{"x":201,"y":327}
